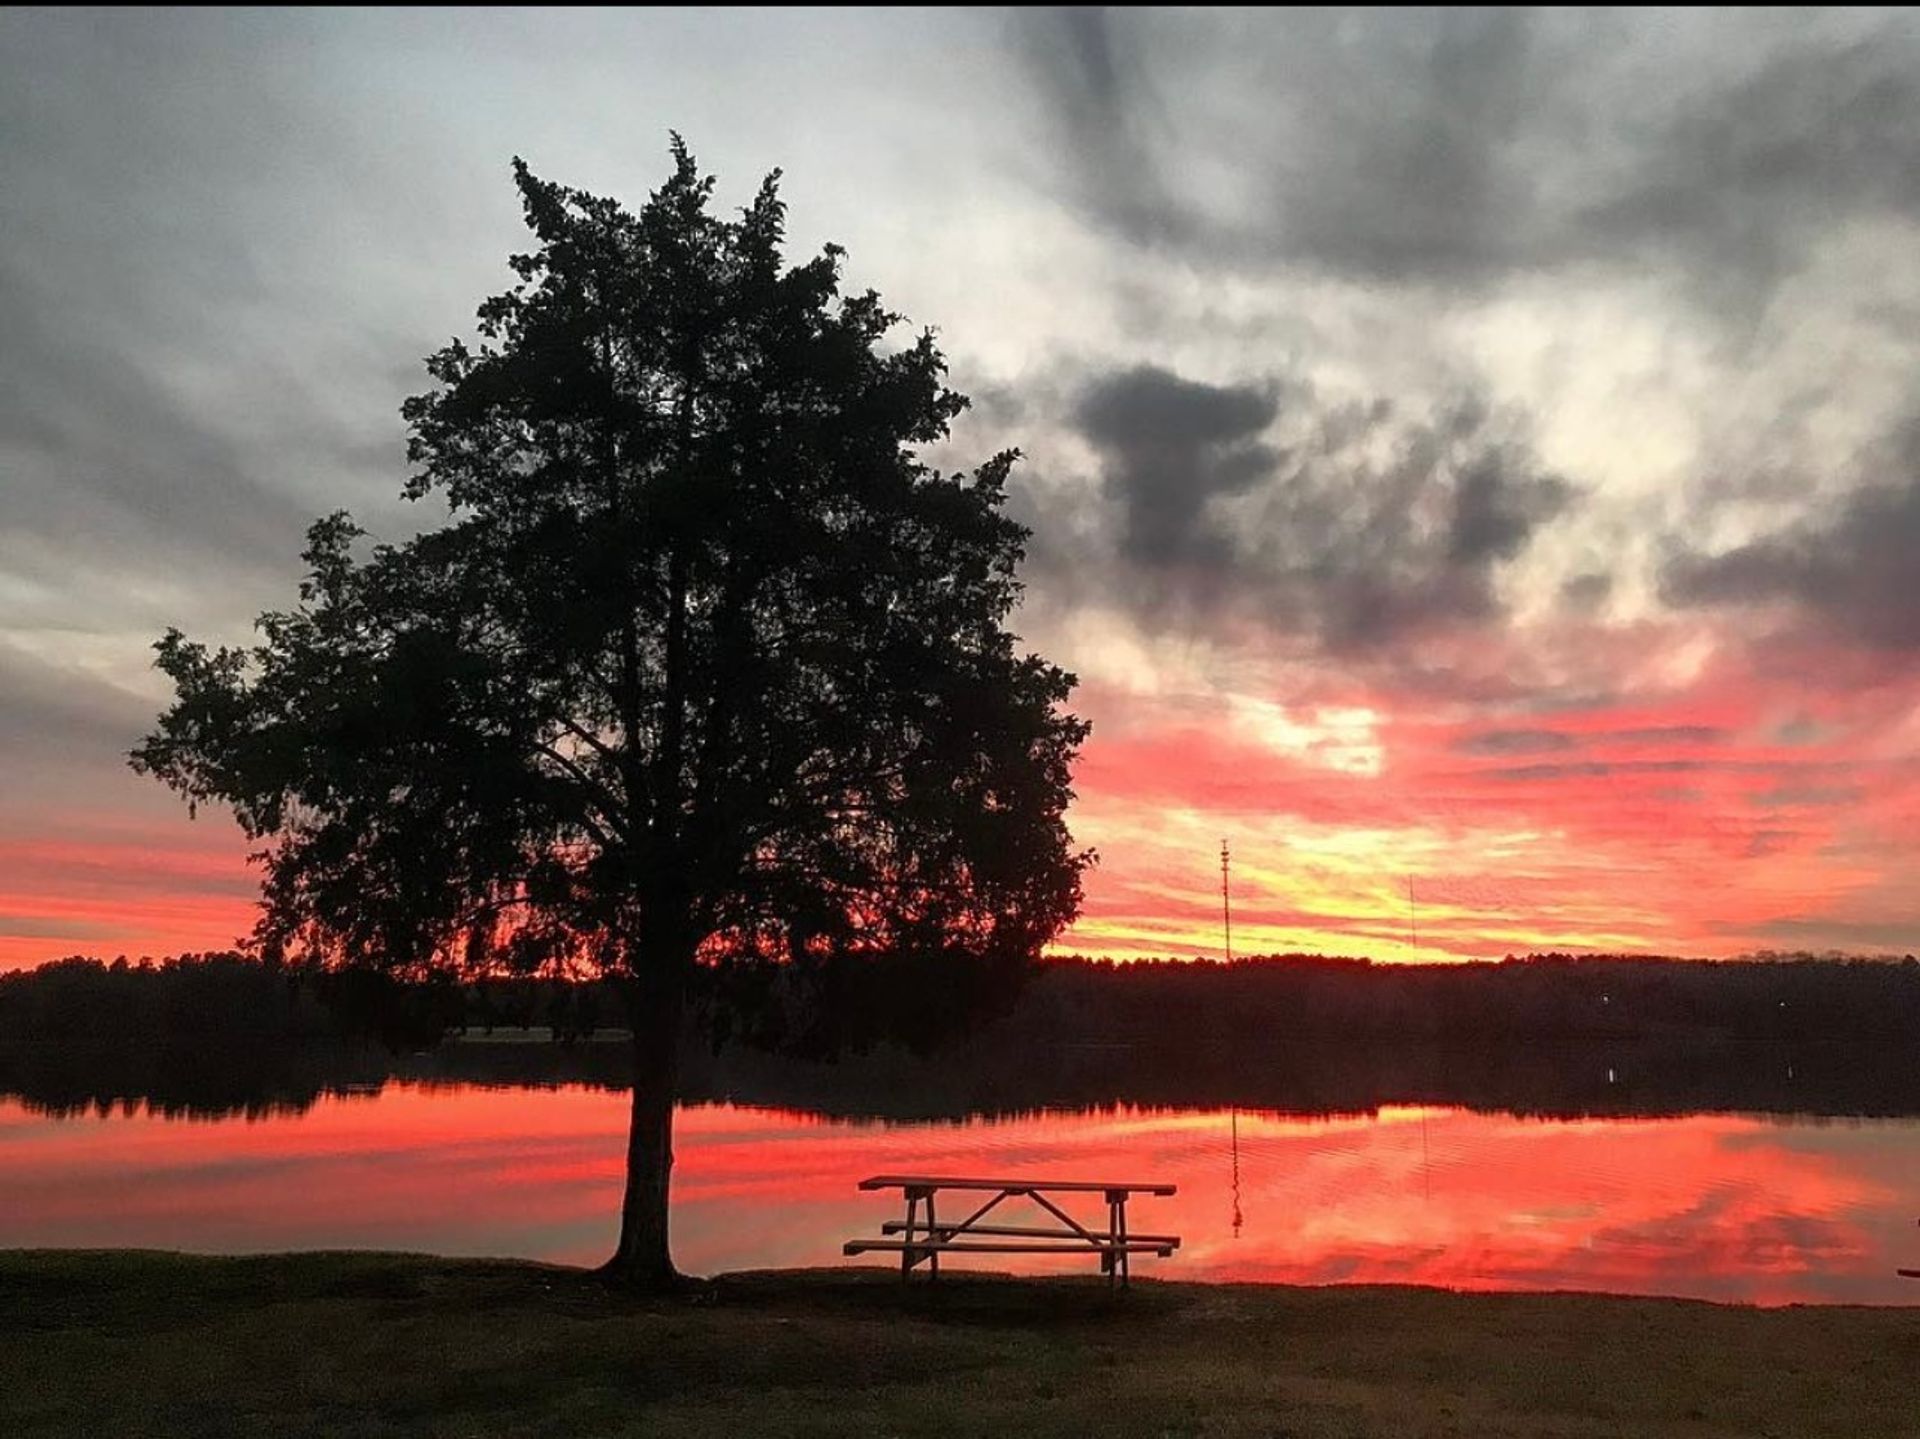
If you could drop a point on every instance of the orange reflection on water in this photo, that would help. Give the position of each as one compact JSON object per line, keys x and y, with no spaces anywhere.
{"x":1716,"y":1206}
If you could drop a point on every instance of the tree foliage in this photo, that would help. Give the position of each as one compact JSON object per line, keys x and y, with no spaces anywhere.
{"x":705,"y":681}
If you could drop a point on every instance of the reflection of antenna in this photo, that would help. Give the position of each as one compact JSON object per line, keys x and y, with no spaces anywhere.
{"x":1226,"y":907}
{"x":1426,"y":1163}
{"x":1226,"y":928}
{"x":1237,"y":1219}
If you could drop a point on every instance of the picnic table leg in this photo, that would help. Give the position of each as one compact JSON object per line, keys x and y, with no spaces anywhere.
{"x":906,"y":1252}
{"x":1110,"y":1257}
{"x":933,"y":1258}
{"x":1117,"y":1234}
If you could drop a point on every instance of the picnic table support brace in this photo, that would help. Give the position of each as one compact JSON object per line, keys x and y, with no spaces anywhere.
{"x":1113,"y":1261}
{"x":979,"y":1214}
{"x":1067,"y":1219}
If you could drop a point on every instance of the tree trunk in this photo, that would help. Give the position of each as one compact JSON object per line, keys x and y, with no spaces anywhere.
{"x":643,"y":1259}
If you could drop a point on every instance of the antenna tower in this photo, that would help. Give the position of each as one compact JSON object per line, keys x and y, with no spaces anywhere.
{"x":1226,"y":905}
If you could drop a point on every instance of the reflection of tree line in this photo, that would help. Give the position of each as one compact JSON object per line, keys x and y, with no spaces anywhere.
{"x":1549,"y":1037}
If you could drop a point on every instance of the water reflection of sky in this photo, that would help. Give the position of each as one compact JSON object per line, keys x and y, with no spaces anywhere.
{"x":1715,"y":1206}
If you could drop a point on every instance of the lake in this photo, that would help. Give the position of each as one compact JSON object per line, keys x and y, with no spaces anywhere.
{"x":1760,"y":1209}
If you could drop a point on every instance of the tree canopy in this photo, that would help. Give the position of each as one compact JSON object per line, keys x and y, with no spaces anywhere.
{"x":704,"y":684}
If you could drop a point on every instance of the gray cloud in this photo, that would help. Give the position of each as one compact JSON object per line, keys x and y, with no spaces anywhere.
{"x":190,"y":379}
{"x":1806,"y":796}
{"x":98,"y":448}
{"x":1684,"y":734}
{"x":1825,"y":930}
{"x":64,"y":737}
{"x":1527,"y":773}
{"x":1596,"y":769}
{"x":1365,"y":155}
{"x":1340,"y":522}
{"x":1103,"y":102}
{"x":1171,"y":446}
{"x":1742,"y":178}
{"x":1764,"y":842}
{"x":1848,"y":566}
{"x":1515,"y":741}
{"x":1471,"y":146}
{"x":27,"y":926}
{"x":1585,"y":593}
{"x":50,"y":714}
{"x":1494,"y":517}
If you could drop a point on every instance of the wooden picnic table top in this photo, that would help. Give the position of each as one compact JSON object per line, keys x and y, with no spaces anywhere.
{"x":961,"y":1246}
{"x":1016,"y":1186}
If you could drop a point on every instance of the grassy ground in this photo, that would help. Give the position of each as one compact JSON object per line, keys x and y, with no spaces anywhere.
{"x":111,"y":1344}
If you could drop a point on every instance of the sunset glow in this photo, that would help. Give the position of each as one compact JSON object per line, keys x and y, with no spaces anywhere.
{"x":1728,"y":811}
{"x":1732,"y":812}
{"x":1505,"y":540}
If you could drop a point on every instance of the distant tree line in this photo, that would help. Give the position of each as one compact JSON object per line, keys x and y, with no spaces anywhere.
{"x":234,"y":1000}
{"x":1248,"y":1006}
{"x":1547,"y":1035}
{"x":1256,"y":1003}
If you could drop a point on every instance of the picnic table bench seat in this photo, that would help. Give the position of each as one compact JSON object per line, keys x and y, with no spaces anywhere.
{"x":1024,"y":1231}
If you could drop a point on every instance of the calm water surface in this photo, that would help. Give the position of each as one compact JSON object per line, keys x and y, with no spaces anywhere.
{"x":1765,"y":1210}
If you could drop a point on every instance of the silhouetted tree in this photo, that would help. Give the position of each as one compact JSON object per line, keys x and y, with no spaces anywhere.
{"x":706,"y":677}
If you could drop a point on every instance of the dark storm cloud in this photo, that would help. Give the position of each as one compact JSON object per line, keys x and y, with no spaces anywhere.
{"x":1468,"y":146}
{"x":1103,"y":103}
{"x":1493,"y":517}
{"x":1171,"y":446}
{"x":1849,"y":566}
{"x":1341,"y":522}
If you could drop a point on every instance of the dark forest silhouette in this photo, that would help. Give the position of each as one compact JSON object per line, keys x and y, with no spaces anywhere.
{"x":704,"y":688}
{"x":220,"y":1034}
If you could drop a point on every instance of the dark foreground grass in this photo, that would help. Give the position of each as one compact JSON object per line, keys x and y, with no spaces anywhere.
{"x":110,"y":1344}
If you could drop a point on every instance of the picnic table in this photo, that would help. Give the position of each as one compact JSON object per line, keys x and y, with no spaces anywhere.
{"x":926,"y":1237}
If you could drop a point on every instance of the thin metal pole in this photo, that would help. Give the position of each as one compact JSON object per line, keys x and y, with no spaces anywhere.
{"x":1226,"y":905}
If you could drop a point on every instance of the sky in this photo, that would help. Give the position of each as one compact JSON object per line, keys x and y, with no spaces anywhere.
{"x":1473,"y":456}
